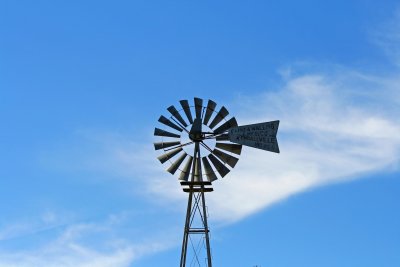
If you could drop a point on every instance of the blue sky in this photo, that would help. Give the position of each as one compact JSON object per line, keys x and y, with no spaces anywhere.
{"x":82,"y":84}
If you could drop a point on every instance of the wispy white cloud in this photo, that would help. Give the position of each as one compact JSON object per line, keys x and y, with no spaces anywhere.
{"x":387,"y":36}
{"x":328,"y":133}
{"x":47,"y":221}
{"x":81,"y":245}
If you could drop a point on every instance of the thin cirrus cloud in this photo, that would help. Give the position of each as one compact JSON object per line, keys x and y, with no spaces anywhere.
{"x":335,"y":126}
{"x":93,"y":244}
{"x":66,"y":250}
{"x":330,"y":131}
{"x":387,"y":36}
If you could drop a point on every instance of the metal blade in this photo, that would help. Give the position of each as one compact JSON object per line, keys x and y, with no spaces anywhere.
{"x":209,"y":111}
{"x":209,"y":171}
{"x":160,"y":132}
{"x":222,"y":137}
{"x":163,"y":158}
{"x":225,"y":157}
{"x":160,"y":145}
{"x":176,"y":114}
{"x":198,"y":104}
{"x":222,"y":113}
{"x":186,"y":108}
{"x":186,"y":169}
{"x":226,"y":126}
{"x":234,"y":148}
{"x":174,"y":166}
{"x":169,"y":123}
{"x":219,"y":166}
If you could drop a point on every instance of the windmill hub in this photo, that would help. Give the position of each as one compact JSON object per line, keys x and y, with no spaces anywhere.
{"x":195,"y":133}
{"x":196,"y":137}
{"x":209,"y":143}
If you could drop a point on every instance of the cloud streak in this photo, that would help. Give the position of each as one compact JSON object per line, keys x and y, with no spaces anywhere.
{"x":327,"y":135}
{"x":80,"y":245}
{"x":387,"y":36}
{"x":335,"y":127}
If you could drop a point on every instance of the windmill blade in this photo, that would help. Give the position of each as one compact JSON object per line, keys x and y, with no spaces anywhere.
{"x":176,"y":114}
{"x":169,"y":123}
{"x":163,"y":158}
{"x":222,"y":137}
{"x":209,"y":111}
{"x":233,"y":148}
{"x":226,"y":126}
{"x":186,"y":169}
{"x":222,"y":113}
{"x":225,"y":157}
{"x":160,"y":145}
{"x":209,"y":171}
{"x":186,"y":108}
{"x":219,"y":166}
{"x":198,"y":105}
{"x":198,"y":177}
{"x":160,"y":132}
{"x":174,"y":166}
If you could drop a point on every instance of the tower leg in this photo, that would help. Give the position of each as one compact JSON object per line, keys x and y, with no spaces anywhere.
{"x":186,"y":229}
{"x":206,"y":228}
{"x":196,"y":213}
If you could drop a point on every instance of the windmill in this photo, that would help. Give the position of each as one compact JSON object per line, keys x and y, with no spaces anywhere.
{"x":201,"y":145}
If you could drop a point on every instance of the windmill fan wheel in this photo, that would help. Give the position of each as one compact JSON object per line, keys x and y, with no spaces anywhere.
{"x":195,"y":141}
